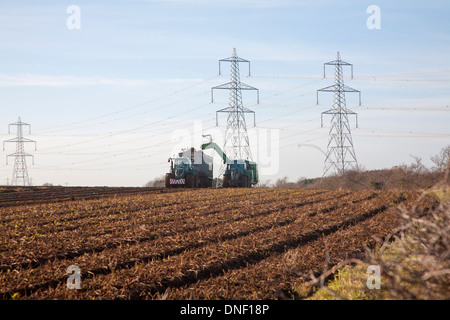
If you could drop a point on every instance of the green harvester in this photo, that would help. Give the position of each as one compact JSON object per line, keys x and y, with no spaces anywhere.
{"x":238,"y":173}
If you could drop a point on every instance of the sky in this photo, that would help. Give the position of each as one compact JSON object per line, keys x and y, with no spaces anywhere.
{"x":114,"y":88}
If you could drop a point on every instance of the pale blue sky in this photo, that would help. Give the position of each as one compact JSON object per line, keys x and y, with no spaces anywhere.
{"x":105,"y":102}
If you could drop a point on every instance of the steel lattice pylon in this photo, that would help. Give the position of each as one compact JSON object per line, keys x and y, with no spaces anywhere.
{"x":340,"y":154}
{"x":20,"y":174}
{"x":236,"y":145}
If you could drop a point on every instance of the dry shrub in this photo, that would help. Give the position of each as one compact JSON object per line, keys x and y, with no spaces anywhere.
{"x":417,"y":264}
{"x":402,"y":177}
{"x":415,"y":260}
{"x":397,"y":178}
{"x":157,"y":182}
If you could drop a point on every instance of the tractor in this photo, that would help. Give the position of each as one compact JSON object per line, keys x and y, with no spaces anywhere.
{"x":191,"y":169}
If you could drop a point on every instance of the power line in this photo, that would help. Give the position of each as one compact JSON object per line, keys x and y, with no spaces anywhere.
{"x":131,"y":130}
{"x":421,"y":108}
{"x":374,"y":77}
{"x":52,"y":129}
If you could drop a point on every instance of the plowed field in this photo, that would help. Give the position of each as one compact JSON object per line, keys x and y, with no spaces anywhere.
{"x":183,"y":244}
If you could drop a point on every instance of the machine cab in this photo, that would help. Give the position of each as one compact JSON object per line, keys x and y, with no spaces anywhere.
{"x":180,"y":166}
{"x":236,"y":169}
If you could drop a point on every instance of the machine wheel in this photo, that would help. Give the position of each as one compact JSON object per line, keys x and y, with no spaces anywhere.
{"x":189,"y":180}
{"x":244,"y":182}
{"x":204,"y":182}
{"x":196,"y":181}
{"x":167,"y":180}
{"x":226,"y":181}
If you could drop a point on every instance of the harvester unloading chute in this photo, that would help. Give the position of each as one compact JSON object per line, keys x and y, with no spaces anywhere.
{"x":213,"y":145}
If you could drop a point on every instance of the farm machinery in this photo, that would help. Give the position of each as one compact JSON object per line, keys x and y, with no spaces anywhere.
{"x":191,"y":169}
{"x":238,"y":173}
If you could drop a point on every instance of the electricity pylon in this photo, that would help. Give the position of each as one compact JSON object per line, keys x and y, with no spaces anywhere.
{"x":340,"y":154}
{"x":20,"y":174}
{"x":236,"y":145}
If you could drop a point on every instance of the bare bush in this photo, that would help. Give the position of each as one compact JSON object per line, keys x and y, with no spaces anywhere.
{"x":284,"y":183}
{"x":401,"y":177}
{"x":415,"y":260}
{"x":442,"y":159}
{"x":157,"y":182}
{"x":417,"y":264}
